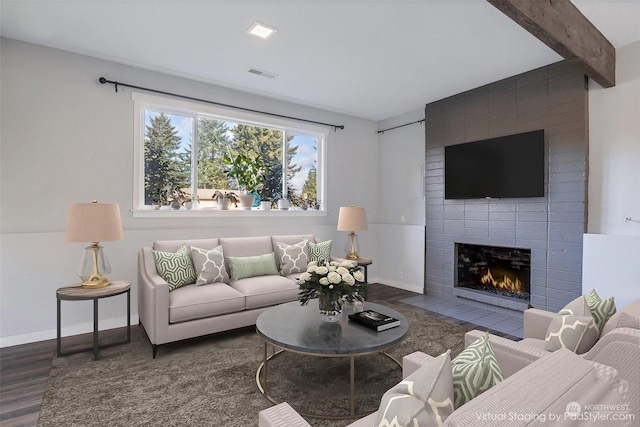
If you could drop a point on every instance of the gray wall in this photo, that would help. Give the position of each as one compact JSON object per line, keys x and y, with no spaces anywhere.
{"x":553,"y":98}
{"x":67,"y":138}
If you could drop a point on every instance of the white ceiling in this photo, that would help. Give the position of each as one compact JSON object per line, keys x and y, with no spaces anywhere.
{"x":368,"y":58}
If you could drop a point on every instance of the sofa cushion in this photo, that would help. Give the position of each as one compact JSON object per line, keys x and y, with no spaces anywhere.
{"x":195,"y":302}
{"x":251,"y":266}
{"x":320,"y":251}
{"x":621,"y":319}
{"x":246,"y":246}
{"x":475,"y":370}
{"x":573,"y":328}
{"x":174,"y":245}
{"x":176,"y":268}
{"x":601,"y":310}
{"x":210,"y":266}
{"x":264,"y":291}
{"x":424,"y":398}
{"x":292,"y":258}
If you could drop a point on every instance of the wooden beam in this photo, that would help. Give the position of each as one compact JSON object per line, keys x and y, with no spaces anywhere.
{"x":562,"y":27}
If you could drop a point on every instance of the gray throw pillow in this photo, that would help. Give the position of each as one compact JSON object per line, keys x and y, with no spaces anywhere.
{"x":320,"y":251}
{"x":292,"y":258}
{"x":424,"y":398}
{"x":176,"y":268}
{"x":251,"y":266}
{"x":209,"y":265}
{"x":572,"y":328}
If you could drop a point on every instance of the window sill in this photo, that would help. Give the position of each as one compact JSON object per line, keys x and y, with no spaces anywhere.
{"x":235,"y":213}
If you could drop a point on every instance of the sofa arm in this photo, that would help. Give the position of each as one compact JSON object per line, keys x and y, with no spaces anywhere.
{"x":153,"y":298}
{"x":414,"y":361}
{"x":281,"y":415}
{"x":536,"y":323}
{"x":620,"y":349}
{"x":512,"y":356}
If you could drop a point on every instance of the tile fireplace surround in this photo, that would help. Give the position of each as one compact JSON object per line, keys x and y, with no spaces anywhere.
{"x":553,"y":98}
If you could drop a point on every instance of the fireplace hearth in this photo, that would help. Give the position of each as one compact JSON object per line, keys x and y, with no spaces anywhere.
{"x":501,"y":271}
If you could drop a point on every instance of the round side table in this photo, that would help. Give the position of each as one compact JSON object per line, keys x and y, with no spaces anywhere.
{"x":78,"y":293}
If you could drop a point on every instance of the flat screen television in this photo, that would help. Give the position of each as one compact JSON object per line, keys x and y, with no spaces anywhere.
{"x":504,"y":167}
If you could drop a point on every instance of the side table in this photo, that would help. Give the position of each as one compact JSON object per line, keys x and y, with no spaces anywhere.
{"x":78,"y":293}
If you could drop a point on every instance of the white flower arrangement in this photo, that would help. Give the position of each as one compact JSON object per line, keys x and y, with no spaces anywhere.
{"x":342,"y":280}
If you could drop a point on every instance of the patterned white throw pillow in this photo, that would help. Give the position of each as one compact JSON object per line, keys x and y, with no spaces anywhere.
{"x":573,"y":328}
{"x":209,"y":265}
{"x":292,"y":258}
{"x":176,"y":268}
{"x":320,"y":251}
{"x":424,"y":398}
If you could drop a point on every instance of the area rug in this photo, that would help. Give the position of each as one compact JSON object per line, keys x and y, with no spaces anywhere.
{"x":211,"y":381}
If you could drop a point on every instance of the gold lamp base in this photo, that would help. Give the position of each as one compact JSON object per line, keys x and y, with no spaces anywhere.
{"x":352,"y":247}
{"x":95,"y":279}
{"x":93,"y":282}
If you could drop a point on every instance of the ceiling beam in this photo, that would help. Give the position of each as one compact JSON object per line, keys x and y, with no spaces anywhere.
{"x":562,"y":27}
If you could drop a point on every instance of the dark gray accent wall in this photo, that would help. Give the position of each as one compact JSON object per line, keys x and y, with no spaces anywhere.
{"x":553,"y":98}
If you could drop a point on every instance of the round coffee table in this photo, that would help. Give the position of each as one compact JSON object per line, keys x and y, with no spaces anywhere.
{"x":295,"y":328}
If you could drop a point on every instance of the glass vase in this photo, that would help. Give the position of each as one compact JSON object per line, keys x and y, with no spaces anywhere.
{"x":329,"y":305}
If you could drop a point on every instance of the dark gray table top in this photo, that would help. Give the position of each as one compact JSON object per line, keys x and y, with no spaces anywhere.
{"x":300,"y":328}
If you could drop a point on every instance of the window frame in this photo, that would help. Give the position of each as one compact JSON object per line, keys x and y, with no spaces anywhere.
{"x":143,"y":102}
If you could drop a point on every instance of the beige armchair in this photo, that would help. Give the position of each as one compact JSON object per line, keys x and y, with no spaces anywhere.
{"x":617,"y":347}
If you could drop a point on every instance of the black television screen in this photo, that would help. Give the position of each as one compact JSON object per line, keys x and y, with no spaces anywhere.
{"x":504,"y":167}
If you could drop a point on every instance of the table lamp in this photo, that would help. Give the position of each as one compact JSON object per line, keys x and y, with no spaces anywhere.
{"x":352,"y":219}
{"x":93,"y":222}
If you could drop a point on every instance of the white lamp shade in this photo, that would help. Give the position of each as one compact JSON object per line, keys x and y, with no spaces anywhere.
{"x":93,"y":222}
{"x":352,"y":218}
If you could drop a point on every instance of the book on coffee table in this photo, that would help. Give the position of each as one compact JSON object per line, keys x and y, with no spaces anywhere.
{"x":375,"y":320}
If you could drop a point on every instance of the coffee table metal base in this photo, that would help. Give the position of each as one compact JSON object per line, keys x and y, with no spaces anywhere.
{"x":263,"y":384}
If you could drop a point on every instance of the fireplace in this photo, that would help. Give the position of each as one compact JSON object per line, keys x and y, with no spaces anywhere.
{"x":500,"y":271}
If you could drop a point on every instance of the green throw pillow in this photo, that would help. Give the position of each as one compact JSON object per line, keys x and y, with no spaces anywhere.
{"x":475,"y":371}
{"x":320,"y":251}
{"x":601,"y":310}
{"x":251,"y":266}
{"x":175,"y":268}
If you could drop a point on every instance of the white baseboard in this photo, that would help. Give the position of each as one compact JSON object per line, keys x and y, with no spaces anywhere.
{"x":405,"y":286}
{"x":82,"y":328}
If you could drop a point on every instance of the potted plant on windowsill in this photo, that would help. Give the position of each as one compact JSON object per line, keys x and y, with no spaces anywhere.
{"x":225,"y":198}
{"x":250,"y":173}
{"x":177,"y":196}
{"x":159,"y":197}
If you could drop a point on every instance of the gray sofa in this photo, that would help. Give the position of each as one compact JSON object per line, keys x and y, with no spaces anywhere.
{"x":531,"y":396}
{"x":192,"y":311}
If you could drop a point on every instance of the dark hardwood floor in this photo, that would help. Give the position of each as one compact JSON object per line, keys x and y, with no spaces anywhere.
{"x":24,"y":369}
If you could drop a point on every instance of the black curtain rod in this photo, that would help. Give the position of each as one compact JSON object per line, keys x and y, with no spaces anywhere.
{"x":396,"y":127}
{"x":116,"y":84}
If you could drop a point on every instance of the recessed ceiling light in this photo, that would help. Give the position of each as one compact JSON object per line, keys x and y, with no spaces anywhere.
{"x":261,"y":30}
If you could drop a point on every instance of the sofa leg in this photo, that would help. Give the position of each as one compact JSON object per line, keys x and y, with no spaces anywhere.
{"x":155,"y":350}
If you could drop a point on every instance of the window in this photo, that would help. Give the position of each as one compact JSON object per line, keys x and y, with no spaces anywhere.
{"x":184,"y":151}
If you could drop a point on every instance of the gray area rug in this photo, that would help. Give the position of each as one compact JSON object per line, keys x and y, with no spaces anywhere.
{"x":211,"y":381}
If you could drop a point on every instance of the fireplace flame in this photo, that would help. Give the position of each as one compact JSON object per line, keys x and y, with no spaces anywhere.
{"x":506,"y":282}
